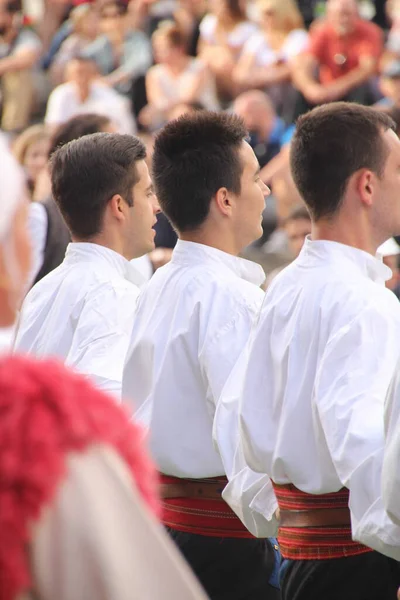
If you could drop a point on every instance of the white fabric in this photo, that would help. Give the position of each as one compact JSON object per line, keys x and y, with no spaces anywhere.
{"x":193,"y":320}
{"x":65,"y":103}
{"x":235,"y":39}
{"x":389,"y":248}
{"x":82,"y":312}
{"x":320,"y":364}
{"x":174,"y":88}
{"x":295,"y":42}
{"x":98,"y":540}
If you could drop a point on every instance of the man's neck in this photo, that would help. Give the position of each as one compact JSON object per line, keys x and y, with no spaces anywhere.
{"x":344,"y":232}
{"x":212,"y":240}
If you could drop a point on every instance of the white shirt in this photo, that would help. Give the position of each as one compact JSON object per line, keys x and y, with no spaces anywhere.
{"x":235,"y":39}
{"x":64,"y":103}
{"x":320,"y":364}
{"x":295,"y":42}
{"x":81,"y":550}
{"x":82,"y":312}
{"x":193,"y":319}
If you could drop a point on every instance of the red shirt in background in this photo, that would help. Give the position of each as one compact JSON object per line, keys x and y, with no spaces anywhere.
{"x":337,"y":55}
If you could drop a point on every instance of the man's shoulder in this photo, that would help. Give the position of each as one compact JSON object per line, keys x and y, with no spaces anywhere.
{"x":368,"y":29}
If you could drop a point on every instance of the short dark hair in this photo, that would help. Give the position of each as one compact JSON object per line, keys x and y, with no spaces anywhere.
{"x":77,"y":127}
{"x":86,"y":173}
{"x":194,"y":156}
{"x":330,"y":144}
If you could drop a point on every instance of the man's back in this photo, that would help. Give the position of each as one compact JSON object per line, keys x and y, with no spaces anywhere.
{"x":193,"y":320}
{"x":323,"y":355}
{"x":82,"y":313}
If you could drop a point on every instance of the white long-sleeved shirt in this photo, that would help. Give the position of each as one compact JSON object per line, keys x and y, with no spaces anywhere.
{"x":193,"y":320}
{"x":319,"y":367}
{"x":83,"y":312}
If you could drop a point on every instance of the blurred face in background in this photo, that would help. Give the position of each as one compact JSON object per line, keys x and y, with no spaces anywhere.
{"x":81,"y":73}
{"x":112,"y":19}
{"x":297,"y":231}
{"x":87,"y":24}
{"x":343,"y":15}
{"x":35,"y":158}
{"x":165,"y":52}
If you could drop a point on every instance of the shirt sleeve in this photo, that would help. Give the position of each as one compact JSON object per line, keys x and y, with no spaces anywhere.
{"x":98,"y":540}
{"x":249,"y":494}
{"x":351,"y":386}
{"x":317,"y":43}
{"x":391,"y":463}
{"x":372,"y":43}
{"x":57,"y":110}
{"x":207,"y":29}
{"x":102,"y":336}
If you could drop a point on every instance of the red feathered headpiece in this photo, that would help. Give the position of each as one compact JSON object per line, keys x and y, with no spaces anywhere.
{"x":46,"y":412}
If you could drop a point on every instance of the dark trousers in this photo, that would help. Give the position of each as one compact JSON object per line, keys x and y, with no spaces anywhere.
{"x":360,"y":95}
{"x":231,"y":568}
{"x":370,"y":576}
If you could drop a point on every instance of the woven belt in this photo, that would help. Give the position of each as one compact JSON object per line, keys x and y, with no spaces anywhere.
{"x":322,"y":517}
{"x":208,"y":490}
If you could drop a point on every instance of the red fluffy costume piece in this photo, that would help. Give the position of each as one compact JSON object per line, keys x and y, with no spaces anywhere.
{"x":45,"y":413}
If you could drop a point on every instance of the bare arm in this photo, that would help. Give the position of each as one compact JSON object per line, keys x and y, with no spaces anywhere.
{"x":21,"y":60}
{"x":249,"y":75}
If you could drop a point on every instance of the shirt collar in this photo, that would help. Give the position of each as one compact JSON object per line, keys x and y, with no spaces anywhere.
{"x":329,"y":252}
{"x":78,"y":252}
{"x":191,"y":253}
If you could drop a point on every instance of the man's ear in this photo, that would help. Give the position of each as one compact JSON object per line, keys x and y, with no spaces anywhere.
{"x":116,"y":206}
{"x":364,"y":182}
{"x":224,"y":201}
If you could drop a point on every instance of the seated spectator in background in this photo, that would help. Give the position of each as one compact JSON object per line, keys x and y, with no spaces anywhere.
{"x":83,"y":93}
{"x":264,"y":63}
{"x":390,"y":252}
{"x":49,"y":233}
{"x":84,"y":27}
{"x":392,"y":47}
{"x":183,"y":109}
{"x":341,"y":59}
{"x":188,"y":16}
{"x":83,"y":311}
{"x":20,"y":49}
{"x":177,"y":78}
{"x":121,"y":54}
{"x":31,"y":150}
{"x":390,"y":86}
{"x":268,"y":133}
{"x":295,"y":229}
{"x":223,"y":33}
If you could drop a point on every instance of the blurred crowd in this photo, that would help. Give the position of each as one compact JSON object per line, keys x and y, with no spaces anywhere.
{"x":138,"y":64}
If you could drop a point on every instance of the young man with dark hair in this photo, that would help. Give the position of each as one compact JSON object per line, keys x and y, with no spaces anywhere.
{"x":49,"y":233}
{"x":82,"y":312}
{"x":193,"y":320}
{"x":321,"y":361}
